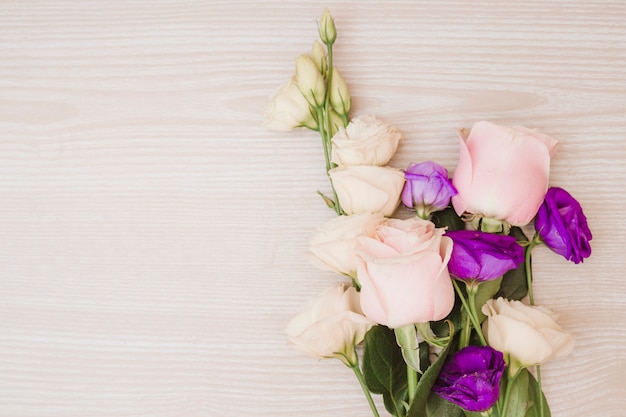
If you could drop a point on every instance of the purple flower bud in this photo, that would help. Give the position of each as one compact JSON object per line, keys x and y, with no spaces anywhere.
{"x":483,"y":256}
{"x":562,"y":225}
{"x":471,"y":378}
{"x":427,"y":187}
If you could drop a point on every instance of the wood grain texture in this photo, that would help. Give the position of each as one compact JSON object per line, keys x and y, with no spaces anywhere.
{"x":152,"y":234}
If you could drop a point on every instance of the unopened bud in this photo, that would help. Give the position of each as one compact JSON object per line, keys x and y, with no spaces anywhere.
{"x":310,"y":81}
{"x":328,"y":32}
{"x":318,"y":54}
{"x":339,"y":95}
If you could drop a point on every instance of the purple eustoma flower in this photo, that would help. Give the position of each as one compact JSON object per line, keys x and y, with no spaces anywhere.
{"x":427,"y":188}
{"x":562,"y":225}
{"x":471,"y":378}
{"x":482,"y":256}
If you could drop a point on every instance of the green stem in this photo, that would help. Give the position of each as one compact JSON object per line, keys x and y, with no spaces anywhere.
{"x":465,"y":331}
{"x":366,"y":391}
{"x":529,"y":271}
{"x":507,"y":394}
{"x":470,"y":312}
{"x":411,"y":375}
{"x":529,"y":280}
{"x":539,"y":391}
{"x":323,"y":122}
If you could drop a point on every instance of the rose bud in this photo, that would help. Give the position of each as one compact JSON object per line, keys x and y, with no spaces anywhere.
{"x":562,"y":225}
{"x":310,"y":81}
{"x":471,"y":378}
{"x":427,"y":188}
{"x":482,"y":256}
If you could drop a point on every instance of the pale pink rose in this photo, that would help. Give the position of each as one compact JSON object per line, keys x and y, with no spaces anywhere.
{"x":527,"y":335}
{"x":368,"y":189}
{"x":366,"y":140}
{"x":403,"y":273}
{"x":502,"y":172}
{"x":332,"y":245}
{"x":331,"y":325}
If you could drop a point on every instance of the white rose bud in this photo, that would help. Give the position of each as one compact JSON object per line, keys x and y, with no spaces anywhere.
{"x":365,"y":141}
{"x":328,"y":32}
{"x":368,"y":189}
{"x":318,"y":54}
{"x":288,"y":110}
{"x":310,"y":81}
{"x":339,"y":95}
{"x":527,"y":335}
{"x":332,"y":245}
{"x":330,"y":326}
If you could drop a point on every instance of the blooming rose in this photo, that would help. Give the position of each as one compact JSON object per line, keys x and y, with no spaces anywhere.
{"x":365,"y":141}
{"x":471,"y":378}
{"x":502,"y":172}
{"x":333,"y":244}
{"x":330,"y":325}
{"x":403,"y":275}
{"x":289,"y":109}
{"x":483,"y":256}
{"x":427,"y":188}
{"x":368,"y":189}
{"x":562,"y":225}
{"x":527,"y":335}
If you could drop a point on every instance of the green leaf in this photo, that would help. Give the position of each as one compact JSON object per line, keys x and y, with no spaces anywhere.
{"x":436,"y":406}
{"x":486,"y":290}
{"x":514,"y":285}
{"x":418,"y":406}
{"x":518,"y":396}
{"x":384,"y":369}
{"x":533,"y":395}
{"x":448,"y":218}
{"x":406,"y":337}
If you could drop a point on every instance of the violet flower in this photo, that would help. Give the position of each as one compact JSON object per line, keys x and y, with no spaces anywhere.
{"x":482,"y":256}
{"x":562,"y":225}
{"x":427,"y":188}
{"x":471,"y":378}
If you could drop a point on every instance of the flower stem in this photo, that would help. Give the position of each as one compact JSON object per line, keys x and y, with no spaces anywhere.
{"x":366,"y":391}
{"x":539,"y":391}
{"x":470,"y":311}
{"x":507,"y":393}
{"x":529,"y":280}
{"x":529,"y":271}
{"x":411,"y":375}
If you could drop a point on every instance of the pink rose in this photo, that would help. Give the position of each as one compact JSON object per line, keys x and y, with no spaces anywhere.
{"x":403,"y":274}
{"x":502,"y":172}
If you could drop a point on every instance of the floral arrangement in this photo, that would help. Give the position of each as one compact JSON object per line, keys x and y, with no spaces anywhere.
{"x":436,"y":310}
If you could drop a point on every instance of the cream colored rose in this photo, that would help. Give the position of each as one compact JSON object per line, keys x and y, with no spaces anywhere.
{"x":331,"y":325}
{"x":332,"y":245}
{"x":368,"y":189}
{"x":365,"y":141}
{"x":527,"y":335}
{"x":289,"y":109}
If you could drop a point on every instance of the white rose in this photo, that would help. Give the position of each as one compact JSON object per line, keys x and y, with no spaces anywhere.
{"x":365,"y":141}
{"x":289,"y":109}
{"x":331,"y":325}
{"x":527,"y":335}
{"x":332,"y":245}
{"x":368,"y":189}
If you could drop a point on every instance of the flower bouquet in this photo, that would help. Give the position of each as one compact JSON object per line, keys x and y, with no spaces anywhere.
{"x":441,"y":300}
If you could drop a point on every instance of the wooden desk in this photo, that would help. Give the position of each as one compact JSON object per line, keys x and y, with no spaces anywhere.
{"x":152,"y":234}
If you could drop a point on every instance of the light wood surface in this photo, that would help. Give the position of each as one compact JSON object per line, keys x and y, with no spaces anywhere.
{"x":152,"y":234}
